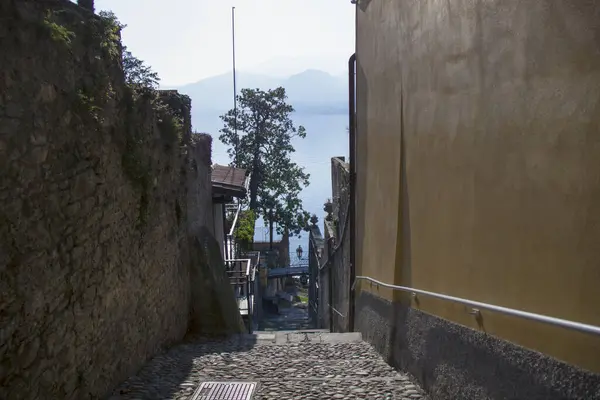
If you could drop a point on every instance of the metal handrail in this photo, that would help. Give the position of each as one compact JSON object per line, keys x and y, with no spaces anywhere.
{"x":577,"y":326}
{"x":246,"y":260}
{"x":235,"y":218}
{"x":336,"y":311}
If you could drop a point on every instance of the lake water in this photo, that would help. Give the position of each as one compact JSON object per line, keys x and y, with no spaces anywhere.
{"x":326,"y":137}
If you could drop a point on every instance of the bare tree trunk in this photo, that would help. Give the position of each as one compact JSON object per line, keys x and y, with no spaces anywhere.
{"x":254,"y":180}
{"x":271,"y":230}
{"x":255,"y":177}
{"x":87,"y":4}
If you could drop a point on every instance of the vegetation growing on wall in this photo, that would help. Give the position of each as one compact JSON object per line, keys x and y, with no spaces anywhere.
{"x":171,"y":127}
{"x":171,"y":111}
{"x":140,"y":96}
{"x":109,"y":29}
{"x":101,"y":34}
{"x":87,"y":106}
{"x":136,"y":162}
{"x":137,"y":73}
{"x":58,"y":32}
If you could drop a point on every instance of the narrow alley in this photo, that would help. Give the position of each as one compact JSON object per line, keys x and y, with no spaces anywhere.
{"x":294,"y":317}
{"x":274,"y":365}
{"x":287,"y":315}
{"x":420,"y":221}
{"x":286,"y":359}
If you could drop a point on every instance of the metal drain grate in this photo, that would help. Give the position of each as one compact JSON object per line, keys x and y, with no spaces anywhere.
{"x":225,"y":391}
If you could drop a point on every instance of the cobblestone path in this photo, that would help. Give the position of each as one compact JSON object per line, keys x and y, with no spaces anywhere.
{"x":285,"y":365}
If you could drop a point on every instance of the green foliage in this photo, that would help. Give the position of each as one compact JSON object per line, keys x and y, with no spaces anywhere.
{"x":303,"y":297}
{"x":58,"y":33}
{"x":137,"y":73}
{"x":110,"y":33}
{"x":263,"y":147}
{"x":172,"y":109}
{"x":171,"y":126}
{"x":87,"y":106}
{"x":244,"y":231}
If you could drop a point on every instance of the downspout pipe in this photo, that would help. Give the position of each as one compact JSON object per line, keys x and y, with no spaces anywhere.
{"x":352,"y":204}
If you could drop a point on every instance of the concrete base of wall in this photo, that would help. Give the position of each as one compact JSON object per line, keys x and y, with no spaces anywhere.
{"x":455,"y":362}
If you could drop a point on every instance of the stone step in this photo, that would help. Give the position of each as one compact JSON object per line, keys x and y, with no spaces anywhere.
{"x":399,"y":388}
{"x":283,"y":368}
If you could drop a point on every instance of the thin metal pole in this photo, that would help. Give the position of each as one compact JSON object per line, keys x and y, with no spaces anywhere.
{"x":237,"y":139}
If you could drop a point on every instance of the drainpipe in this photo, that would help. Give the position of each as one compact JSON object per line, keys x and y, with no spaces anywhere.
{"x":352,"y":205}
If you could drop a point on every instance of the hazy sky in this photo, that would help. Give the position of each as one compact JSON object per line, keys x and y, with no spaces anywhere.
{"x":188,"y":40}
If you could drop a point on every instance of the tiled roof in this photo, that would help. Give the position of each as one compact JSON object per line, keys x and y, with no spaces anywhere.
{"x":230,"y":176}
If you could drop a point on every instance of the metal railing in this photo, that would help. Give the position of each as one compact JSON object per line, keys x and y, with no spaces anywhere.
{"x":577,"y":326}
{"x":241,"y":275}
{"x":229,"y":238}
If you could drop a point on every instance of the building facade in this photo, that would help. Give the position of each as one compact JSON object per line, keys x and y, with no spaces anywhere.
{"x":477,"y":151}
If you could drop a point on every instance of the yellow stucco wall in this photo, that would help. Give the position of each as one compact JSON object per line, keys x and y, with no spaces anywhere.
{"x":378,"y":147}
{"x":478,"y":167}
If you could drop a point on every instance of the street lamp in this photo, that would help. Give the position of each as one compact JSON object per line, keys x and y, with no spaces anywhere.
{"x":299,"y":252}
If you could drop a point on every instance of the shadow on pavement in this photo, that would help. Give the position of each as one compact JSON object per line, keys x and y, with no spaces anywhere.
{"x":177,"y":373}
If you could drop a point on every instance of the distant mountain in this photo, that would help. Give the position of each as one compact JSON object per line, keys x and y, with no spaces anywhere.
{"x":309,"y":92}
{"x":314,"y":89}
{"x":284,"y":66}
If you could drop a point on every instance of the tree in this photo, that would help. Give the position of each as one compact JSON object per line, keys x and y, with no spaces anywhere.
{"x":279,"y":200}
{"x":260,"y":141}
{"x":137,"y":73}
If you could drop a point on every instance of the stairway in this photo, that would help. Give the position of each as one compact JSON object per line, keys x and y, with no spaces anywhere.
{"x":307,"y":365}
{"x":292,"y":318}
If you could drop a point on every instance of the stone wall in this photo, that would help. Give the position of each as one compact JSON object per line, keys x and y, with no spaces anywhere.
{"x":199,"y":186}
{"x":95,"y":249}
{"x":316,"y":287}
{"x":334,"y":274}
{"x":337,"y":248}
